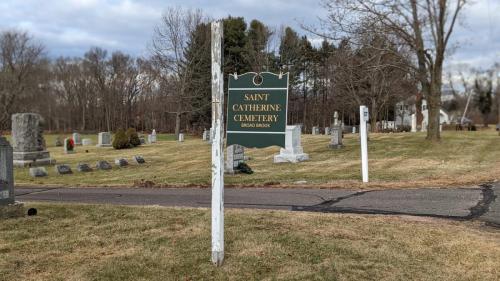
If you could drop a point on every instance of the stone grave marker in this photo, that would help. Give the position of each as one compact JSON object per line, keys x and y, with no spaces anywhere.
{"x":103,"y":165}
{"x":315,"y":130}
{"x":235,"y":154}
{"x":28,"y":142}
{"x":83,"y":167}
{"x":121,"y":162}
{"x":139,"y":159}
{"x":104,"y":139}
{"x":86,"y":142}
{"x":336,"y":140}
{"x":63,"y":169}
{"x":181,"y":137}
{"x":293,"y":151}
{"x":327,"y":131}
{"x":59,"y":141}
{"x":8,"y":206}
{"x":69,"y":146}
{"x":37,"y":172}
{"x":77,"y":138}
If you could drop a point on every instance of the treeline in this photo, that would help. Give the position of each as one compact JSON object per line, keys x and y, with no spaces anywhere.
{"x":170,"y":89}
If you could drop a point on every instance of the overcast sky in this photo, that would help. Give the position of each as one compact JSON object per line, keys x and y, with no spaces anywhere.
{"x":71,"y":27}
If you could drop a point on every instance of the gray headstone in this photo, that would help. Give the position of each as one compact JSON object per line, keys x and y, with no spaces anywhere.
{"x":336,"y":141}
{"x":142,"y":139}
{"x":37,"y":172}
{"x":121,"y":162}
{"x":139,"y":159}
{"x":59,"y":141}
{"x":104,"y":139}
{"x":181,"y":137}
{"x":63,"y":169}
{"x":103,"y":165}
{"x":6,"y":173}
{"x":27,"y":140}
{"x":82,"y":167}
{"x":235,"y":155}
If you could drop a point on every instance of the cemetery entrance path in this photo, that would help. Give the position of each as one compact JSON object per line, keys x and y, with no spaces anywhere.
{"x":464,"y":203}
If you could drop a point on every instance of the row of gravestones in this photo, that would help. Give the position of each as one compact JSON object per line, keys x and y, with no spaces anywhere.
{"x":83,"y":167}
{"x":103,"y":140}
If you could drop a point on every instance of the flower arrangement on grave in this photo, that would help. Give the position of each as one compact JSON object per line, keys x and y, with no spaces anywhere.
{"x":70,"y":144}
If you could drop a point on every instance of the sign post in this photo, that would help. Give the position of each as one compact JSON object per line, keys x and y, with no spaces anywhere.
{"x":257,"y":109}
{"x":363,"y":118}
{"x":217,"y":145}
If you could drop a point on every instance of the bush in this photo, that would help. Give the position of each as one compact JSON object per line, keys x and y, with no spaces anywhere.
{"x":120,"y":141}
{"x":133,"y":137}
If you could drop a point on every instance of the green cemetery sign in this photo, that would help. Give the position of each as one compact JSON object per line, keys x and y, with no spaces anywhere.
{"x":257,"y":109}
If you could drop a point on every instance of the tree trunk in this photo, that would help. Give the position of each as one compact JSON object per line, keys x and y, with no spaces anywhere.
{"x":177,"y":124}
{"x":433,"y":109}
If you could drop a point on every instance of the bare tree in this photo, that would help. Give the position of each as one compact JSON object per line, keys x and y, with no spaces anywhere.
{"x":20,"y":59}
{"x":168,"y":54}
{"x":424,"y":26}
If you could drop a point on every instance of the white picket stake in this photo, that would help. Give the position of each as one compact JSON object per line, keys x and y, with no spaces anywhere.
{"x":363,"y":118}
{"x":217,"y":146}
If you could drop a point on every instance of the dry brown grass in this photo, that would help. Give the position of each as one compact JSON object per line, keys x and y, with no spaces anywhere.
{"x":96,"y":242}
{"x":396,"y":160}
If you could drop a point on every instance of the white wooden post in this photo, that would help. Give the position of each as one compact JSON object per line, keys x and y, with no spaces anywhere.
{"x":363,"y":118}
{"x":217,"y":146}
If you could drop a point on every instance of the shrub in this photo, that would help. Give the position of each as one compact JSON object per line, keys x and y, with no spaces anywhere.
{"x":120,"y":141}
{"x":133,"y":137}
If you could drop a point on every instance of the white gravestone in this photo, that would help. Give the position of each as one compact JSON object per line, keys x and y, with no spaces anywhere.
{"x":353,"y":129}
{"x":153,"y":136}
{"x":181,"y":137}
{"x":205,"y":135}
{"x":293,"y":151}
{"x":77,"y":139}
{"x":413,"y":123}
{"x":86,"y":142}
{"x":315,"y":130}
{"x":235,"y":155}
{"x":104,"y":139}
{"x":327,"y":131}
{"x":28,"y":142}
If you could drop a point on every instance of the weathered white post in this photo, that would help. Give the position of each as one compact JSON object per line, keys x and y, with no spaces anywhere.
{"x":363,"y":118}
{"x":217,"y":146}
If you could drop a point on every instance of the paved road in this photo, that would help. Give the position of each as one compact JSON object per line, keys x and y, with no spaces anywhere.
{"x":456,"y":203}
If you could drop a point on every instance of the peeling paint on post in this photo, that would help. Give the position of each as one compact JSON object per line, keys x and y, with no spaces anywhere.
{"x":217,"y":146}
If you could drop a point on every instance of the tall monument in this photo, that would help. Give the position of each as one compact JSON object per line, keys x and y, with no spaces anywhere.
{"x":27,"y":140}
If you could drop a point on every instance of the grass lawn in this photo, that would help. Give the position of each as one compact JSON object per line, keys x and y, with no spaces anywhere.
{"x":396,"y":160}
{"x":98,"y":242}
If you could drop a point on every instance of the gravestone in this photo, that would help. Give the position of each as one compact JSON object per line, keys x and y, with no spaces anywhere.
{"x":235,"y":154}
{"x":77,"y":139}
{"x":205,"y":136}
{"x":142,"y":140}
{"x":69,"y":146}
{"x":336,"y":141}
{"x":104,"y":139}
{"x":315,"y":130}
{"x":37,"y":172}
{"x":152,"y":137}
{"x":181,"y":137}
{"x":63,"y":169}
{"x":82,"y":167}
{"x":293,"y":151}
{"x":139,"y":159}
{"x":327,"y":131}
{"x":414,"y":123}
{"x":103,"y":165}
{"x":9,"y":208}
{"x":120,"y":162}
{"x":86,"y":142}
{"x":27,"y":140}
{"x":59,"y":141}
{"x":353,"y":129}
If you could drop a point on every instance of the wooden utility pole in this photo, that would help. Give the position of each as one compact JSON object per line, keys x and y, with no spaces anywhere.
{"x":217,"y":146}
